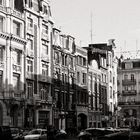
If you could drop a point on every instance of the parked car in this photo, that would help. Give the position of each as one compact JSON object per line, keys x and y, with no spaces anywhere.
{"x":36,"y":134}
{"x":15,"y":131}
{"x":5,"y":133}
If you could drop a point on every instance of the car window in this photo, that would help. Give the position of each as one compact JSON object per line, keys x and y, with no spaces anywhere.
{"x":35,"y":132}
{"x":44,"y":132}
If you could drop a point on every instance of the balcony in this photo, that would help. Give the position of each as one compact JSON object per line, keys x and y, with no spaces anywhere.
{"x":16,"y":94}
{"x":129,"y":103}
{"x":16,"y":68}
{"x":128,"y":82}
{"x":43,"y":78}
{"x":129,"y":92}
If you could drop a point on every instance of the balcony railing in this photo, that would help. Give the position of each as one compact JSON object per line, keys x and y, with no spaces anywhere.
{"x":128,"y":82}
{"x":129,"y":92}
{"x":44,"y":78}
{"x":129,"y":103}
{"x":17,"y":94}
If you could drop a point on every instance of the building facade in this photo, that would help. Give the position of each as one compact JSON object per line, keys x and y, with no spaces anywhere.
{"x":12,"y":51}
{"x":38,"y":32}
{"x":128,"y":92}
{"x":64,"y":68}
{"x":81,"y":88}
{"x":25,"y":63}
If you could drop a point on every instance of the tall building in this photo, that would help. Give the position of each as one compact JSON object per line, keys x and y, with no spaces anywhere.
{"x":81,"y":88}
{"x":12,"y":52}
{"x":38,"y":30}
{"x":128,"y":92}
{"x":25,"y":68}
{"x":63,"y":88}
{"x":102,"y":80}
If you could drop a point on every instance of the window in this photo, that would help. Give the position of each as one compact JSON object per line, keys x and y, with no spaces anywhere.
{"x":110,"y":76}
{"x":30,"y":23}
{"x":29,"y":89}
{"x":30,"y":44}
{"x":45,"y":70}
{"x":63,"y":78}
{"x":1,"y":2}
{"x":111,"y":92}
{"x":16,"y":57}
{"x":16,"y":28}
{"x":29,"y":3}
{"x":90,"y":83}
{"x":44,"y":29}
{"x":45,"y":49}
{"x":18,"y":5}
{"x":45,"y":9}
{"x":29,"y":66}
{"x":84,"y":61}
{"x":1,"y":79}
{"x":16,"y":81}
{"x":78,"y":77}
{"x":126,"y":88}
{"x":1,"y":54}
{"x":132,"y":87}
{"x":84,"y":78}
{"x":132,"y":77}
{"x":43,"y":92}
{"x":1,"y":24}
{"x":56,"y":57}
{"x":63,"y":59}
{"x":71,"y":62}
{"x":66,"y":62}
{"x":125,"y":77}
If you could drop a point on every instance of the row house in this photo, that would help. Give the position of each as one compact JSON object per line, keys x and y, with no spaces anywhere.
{"x":112,"y":64}
{"x":81,"y":88}
{"x":63,"y":76}
{"x":102,"y":84}
{"x":38,"y":30}
{"x":128,"y":92}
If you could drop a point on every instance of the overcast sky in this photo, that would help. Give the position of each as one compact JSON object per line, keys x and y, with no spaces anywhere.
{"x":111,"y":19}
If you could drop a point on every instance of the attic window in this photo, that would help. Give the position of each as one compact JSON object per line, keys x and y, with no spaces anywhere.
{"x":18,"y":5}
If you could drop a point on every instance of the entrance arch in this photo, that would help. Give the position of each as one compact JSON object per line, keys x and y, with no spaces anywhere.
{"x":82,"y":121}
{"x":1,"y":114}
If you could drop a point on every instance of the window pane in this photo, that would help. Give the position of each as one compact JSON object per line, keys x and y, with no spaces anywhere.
{"x":1,"y":24}
{"x":1,"y":77}
{"x":44,"y":49}
{"x":30,"y":44}
{"x":16,"y":82}
{"x":16,"y":28}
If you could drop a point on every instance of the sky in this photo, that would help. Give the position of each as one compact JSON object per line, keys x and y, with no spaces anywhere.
{"x":107,"y":19}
